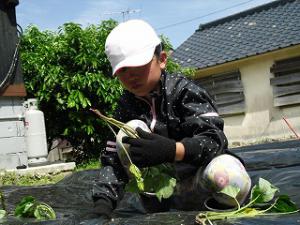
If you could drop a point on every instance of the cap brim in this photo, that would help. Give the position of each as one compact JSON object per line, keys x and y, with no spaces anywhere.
{"x":137,"y":60}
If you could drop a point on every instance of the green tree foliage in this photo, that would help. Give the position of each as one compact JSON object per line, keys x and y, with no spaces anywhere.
{"x":68,"y":72}
{"x":172,"y":66}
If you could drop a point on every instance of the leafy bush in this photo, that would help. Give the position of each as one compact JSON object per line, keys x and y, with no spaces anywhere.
{"x":68,"y":72}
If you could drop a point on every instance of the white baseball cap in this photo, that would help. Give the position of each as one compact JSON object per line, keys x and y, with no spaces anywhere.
{"x":131,"y":43}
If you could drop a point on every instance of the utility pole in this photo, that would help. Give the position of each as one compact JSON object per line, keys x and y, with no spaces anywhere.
{"x":124,"y":12}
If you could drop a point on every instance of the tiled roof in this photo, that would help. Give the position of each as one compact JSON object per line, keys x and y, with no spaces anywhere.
{"x":252,"y":32}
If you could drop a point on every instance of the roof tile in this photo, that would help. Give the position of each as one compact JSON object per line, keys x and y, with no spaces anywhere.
{"x":255,"y":31}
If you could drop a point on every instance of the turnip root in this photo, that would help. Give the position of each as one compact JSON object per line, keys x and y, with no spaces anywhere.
{"x":122,"y":148}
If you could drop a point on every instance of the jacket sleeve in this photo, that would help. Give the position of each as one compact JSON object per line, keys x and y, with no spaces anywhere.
{"x":112,"y":176}
{"x":204,"y":138}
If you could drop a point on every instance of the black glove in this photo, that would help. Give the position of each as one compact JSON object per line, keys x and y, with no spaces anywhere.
{"x":150,"y":149}
{"x":103,"y":208}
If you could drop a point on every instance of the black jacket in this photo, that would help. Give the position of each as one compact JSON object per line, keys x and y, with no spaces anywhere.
{"x":182,"y":111}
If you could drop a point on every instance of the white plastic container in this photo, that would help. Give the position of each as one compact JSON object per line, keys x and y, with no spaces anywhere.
{"x":35,"y":133}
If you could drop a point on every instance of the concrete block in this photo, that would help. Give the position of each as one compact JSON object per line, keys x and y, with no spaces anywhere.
{"x":11,"y":107}
{"x":54,"y":168}
{"x":11,"y":129}
{"x":12,"y":160}
{"x":12,"y":145}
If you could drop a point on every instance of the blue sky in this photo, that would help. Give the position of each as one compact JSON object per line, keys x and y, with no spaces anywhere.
{"x":168,"y":17}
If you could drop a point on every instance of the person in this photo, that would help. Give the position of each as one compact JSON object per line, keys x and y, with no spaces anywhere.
{"x":186,"y":128}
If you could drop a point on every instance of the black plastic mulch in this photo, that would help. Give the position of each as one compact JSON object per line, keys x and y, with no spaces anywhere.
{"x":71,"y":198}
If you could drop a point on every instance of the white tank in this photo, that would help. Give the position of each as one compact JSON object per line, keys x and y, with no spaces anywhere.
{"x":35,"y":133}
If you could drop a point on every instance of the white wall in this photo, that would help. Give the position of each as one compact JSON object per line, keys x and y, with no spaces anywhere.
{"x":12,"y":139}
{"x":261,"y":121}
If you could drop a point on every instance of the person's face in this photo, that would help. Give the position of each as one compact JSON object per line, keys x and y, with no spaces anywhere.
{"x":143,"y":79}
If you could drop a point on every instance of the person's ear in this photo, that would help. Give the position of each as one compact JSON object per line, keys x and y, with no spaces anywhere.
{"x":163,"y":60}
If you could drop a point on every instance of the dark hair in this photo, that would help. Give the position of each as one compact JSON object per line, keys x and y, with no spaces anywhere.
{"x":158,"y":49}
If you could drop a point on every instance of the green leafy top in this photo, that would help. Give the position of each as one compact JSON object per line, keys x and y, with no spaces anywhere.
{"x":261,"y":203}
{"x":30,"y":207}
{"x":231,"y":191}
{"x":263,"y":192}
{"x":157,"y":179}
{"x":2,"y":213}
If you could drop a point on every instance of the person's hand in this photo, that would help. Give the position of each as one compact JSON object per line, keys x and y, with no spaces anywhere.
{"x":150,"y":149}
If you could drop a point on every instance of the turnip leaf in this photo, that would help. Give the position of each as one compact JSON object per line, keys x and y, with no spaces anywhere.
{"x":284,"y":204}
{"x":264,"y":190}
{"x":2,"y":213}
{"x":231,"y":191}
